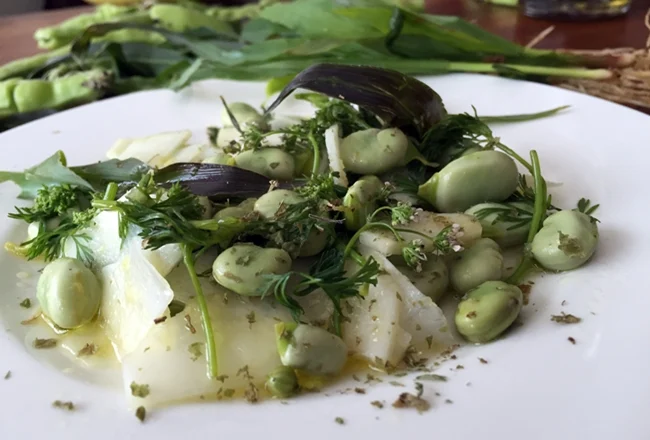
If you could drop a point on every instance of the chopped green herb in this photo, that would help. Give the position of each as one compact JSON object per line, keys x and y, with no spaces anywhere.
{"x":360,"y":390}
{"x":251,"y":319}
{"x":483,"y":361}
{"x":339,"y":420}
{"x":396,"y":384}
{"x":87,"y":350}
{"x":229,"y":392}
{"x":565,"y":318}
{"x":448,"y":401}
{"x":222,"y":378}
{"x":175,"y":307}
{"x":460,"y":367}
{"x":570,"y":339}
{"x":429,"y":340}
{"x":26,"y":303}
{"x":432,"y":377}
{"x":141,"y":413}
{"x":138,"y":390}
{"x":400,"y":374}
{"x":377,"y":404}
{"x":44,"y":343}
{"x":408,"y":400}
{"x":8,"y":375}
{"x":196,"y":350}
{"x":63,"y":405}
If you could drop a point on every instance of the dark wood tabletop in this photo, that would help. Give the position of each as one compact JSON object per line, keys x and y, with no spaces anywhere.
{"x":628,"y":31}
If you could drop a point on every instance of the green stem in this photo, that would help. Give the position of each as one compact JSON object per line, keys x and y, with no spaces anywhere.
{"x":211,"y":350}
{"x":314,"y":143}
{"x":566,"y":72}
{"x":111,"y":191}
{"x":540,"y":209}
{"x":514,"y":154}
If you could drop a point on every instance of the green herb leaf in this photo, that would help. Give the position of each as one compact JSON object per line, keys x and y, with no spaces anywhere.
{"x":102,"y":173}
{"x":26,"y":303}
{"x":432,"y":377}
{"x":52,"y":171}
{"x":399,"y":100}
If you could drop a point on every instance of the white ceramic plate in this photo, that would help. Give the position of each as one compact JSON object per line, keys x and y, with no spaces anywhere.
{"x":536,"y":384}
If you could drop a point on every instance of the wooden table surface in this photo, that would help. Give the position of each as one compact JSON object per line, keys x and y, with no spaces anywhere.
{"x":629,"y":31}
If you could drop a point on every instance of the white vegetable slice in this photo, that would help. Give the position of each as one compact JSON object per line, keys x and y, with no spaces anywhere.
{"x":333,"y":146}
{"x":420,"y":316}
{"x":134,"y":294}
{"x":427,"y":223}
{"x":154,"y":150}
{"x":190,"y":153}
{"x":374,"y":328}
{"x":245,"y":337}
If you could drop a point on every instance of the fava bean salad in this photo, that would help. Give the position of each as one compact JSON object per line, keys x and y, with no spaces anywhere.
{"x":284,"y":250}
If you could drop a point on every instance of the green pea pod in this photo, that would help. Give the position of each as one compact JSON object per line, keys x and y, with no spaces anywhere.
{"x":65,"y":32}
{"x":28,"y":95}
{"x":180,"y":19}
{"x":21,"y":67}
{"x":7,"y":103}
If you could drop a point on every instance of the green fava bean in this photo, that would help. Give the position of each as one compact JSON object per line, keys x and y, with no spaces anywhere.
{"x":566,"y":240}
{"x":69,"y":293}
{"x":221,"y":159}
{"x":239,"y":211}
{"x":432,"y":280}
{"x":270,"y":162}
{"x":505,"y":233}
{"x":282,"y":382}
{"x":360,"y":201}
{"x":482,"y":262}
{"x":373,"y":151}
{"x":315,"y":243}
{"x":484,"y":176}
{"x":244,"y":114}
{"x":310,"y":349}
{"x":241,"y":268}
{"x":269,"y":204}
{"x":488,"y":310}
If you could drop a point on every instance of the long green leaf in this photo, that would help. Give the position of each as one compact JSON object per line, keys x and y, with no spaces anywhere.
{"x":523,"y":116}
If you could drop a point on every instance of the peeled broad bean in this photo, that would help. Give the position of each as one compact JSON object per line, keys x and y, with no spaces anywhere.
{"x":244,"y":114}
{"x":360,"y":201}
{"x":472,"y":267}
{"x":488,"y":310}
{"x":373,"y":151}
{"x":69,"y":293}
{"x":270,"y":162}
{"x":220,"y":159}
{"x":269,"y":204}
{"x":241,"y":268}
{"x":484,"y":176}
{"x":239,"y":211}
{"x":505,"y":233}
{"x":310,"y":349}
{"x":432,"y":280}
{"x":566,"y":240}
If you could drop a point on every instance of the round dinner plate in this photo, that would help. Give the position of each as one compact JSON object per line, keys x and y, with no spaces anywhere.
{"x":536,"y":383}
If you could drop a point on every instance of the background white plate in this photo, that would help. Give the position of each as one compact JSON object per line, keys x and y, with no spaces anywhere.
{"x":536,"y":385}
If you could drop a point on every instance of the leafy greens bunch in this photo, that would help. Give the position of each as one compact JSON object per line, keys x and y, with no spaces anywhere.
{"x":118,"y":50}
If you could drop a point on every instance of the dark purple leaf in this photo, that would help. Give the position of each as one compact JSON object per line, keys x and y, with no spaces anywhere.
{"x":399,"y":100}
{"x":215,"y":181}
